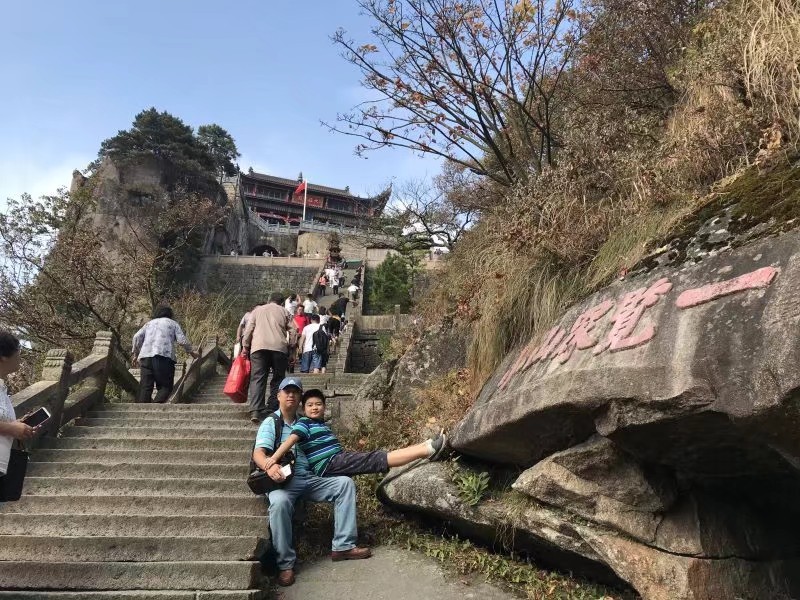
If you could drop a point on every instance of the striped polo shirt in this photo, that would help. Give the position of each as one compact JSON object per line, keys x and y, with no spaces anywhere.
{"x":317,"y":442}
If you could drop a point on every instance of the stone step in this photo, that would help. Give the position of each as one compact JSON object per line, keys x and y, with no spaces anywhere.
{"x":130,"y":525}
{"x":138,"y":505}
{"x":126,"y":457}
{"x":139,"y":470}
{"x":208,"y":402}
{"x":138,"y":595}
{"x":138,"y":444}
{"x":184,"y":486}
{"x":194,"y":575}
{"x":221,"y":409}
{"x":162,"y":433}
{"x":171,"y":420}
{"x":118,"y":549}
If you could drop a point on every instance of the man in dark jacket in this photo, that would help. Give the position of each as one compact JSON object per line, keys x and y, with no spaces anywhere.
{"x":339,"y":307}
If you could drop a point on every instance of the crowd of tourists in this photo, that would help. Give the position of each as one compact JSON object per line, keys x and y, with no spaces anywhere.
{"x":295,"y":451}
{"x":287,"y":335}
{"x":332,"y":279}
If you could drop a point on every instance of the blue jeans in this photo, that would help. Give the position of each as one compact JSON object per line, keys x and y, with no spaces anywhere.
{"x":310,"y":361}
{"x":339,"y":490}
{"x":305,"y":362}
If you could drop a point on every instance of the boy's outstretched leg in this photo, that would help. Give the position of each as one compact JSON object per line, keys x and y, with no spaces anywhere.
{"x":432,"y":449}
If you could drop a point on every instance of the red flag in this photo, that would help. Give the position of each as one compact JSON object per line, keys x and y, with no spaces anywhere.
{"x":300,"y":189}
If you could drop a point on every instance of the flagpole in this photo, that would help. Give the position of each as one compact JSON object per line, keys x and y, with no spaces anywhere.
{"x":305,"y":196}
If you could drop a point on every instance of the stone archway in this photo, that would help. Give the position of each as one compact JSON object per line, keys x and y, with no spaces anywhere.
{"x":259,"y":250}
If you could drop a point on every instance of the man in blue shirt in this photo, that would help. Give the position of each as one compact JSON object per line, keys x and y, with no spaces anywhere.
{"x":340,"y":491}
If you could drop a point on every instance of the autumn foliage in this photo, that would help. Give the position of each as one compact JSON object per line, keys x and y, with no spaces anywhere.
{"x":590,"y":129}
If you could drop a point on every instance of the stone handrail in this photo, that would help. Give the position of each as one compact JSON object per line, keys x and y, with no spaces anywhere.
{"x":314,"y":226}
{"x":89,"y":376}
{"x":261,"y":261}
{"x":198,"y":370}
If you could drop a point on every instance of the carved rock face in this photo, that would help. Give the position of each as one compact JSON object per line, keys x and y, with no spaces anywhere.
{"x":694,"y":369}
{"x":659,"y":420}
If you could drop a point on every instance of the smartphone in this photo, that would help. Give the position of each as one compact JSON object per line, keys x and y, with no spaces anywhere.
{"x":286,"y":470}
{"x":37,"y":417}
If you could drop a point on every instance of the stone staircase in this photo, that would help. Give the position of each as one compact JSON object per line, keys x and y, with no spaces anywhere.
{"x":141,"y":502}
{"x":338,"y":360}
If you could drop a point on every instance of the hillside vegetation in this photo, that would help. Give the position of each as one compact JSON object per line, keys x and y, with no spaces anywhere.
{"x":669,"y":109}
{"x":102,"y":255}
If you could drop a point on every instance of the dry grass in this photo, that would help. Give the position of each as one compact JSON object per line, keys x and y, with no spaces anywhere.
{"x":205,"y":317}
{"x":630,"y":242}
{"x":771,"y":56}
{"x":623,"y":182}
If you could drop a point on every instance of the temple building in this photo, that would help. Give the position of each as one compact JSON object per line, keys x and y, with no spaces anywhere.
{"x":275,"y":200}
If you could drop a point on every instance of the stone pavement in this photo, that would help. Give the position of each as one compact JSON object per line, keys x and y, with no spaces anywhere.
{"x":391,"y":574}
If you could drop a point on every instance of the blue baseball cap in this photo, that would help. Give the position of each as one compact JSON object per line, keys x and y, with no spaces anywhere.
{"x":289,"y":381}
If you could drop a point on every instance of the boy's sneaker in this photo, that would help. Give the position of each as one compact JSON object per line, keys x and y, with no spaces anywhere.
{"x":439,"y":444}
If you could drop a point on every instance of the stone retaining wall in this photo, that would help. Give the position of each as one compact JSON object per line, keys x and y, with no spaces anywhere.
{"x":365,"y":352}
{"x":249,"y":283}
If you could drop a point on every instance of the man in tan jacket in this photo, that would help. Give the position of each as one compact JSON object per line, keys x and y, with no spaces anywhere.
{"x":266,"y":340}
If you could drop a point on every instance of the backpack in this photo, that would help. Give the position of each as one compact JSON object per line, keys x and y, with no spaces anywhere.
{"x":320,"y":340}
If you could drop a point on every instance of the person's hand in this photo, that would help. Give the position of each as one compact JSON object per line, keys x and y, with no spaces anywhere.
{"x":135,"y":362}
{"x":275,"y":474}
{"x":194,"y":355}
{"x":245,"y":352}
{"x":269,"y":463}
{"x":22,"y":431}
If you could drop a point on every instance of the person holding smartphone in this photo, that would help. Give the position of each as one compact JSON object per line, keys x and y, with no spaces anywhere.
{"x":11,"y":428}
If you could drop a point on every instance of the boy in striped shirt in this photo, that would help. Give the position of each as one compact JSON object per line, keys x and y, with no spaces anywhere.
{"x":325,"y":454}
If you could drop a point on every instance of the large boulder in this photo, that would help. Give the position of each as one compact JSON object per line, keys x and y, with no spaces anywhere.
{"x":599,"y":482}
{"x":657,"y":421}
{"x":543,"y":532}
{"x":376,"y":386}
{"x":693,"y":368}
{"x":554,"y":538}
{"x":441,"y":349}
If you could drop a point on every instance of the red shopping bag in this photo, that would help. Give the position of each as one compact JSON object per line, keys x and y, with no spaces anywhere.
{"x":238,"y":380}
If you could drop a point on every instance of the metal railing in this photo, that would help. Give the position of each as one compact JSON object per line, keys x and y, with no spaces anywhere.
{"x":313,"y":226}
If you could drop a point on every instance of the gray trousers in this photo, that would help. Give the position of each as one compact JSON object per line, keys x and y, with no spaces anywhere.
{"x":261,"y":363}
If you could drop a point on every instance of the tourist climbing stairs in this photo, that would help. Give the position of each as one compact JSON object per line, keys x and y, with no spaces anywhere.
{"x":337,"y":362}
{"x":139,"y":501}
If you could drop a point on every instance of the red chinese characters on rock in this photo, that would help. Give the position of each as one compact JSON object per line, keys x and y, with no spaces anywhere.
{"x":518,"y":364}
{"x":759,"y":278}
{"x":580,"y":336}
{"x":532,"y":354}
{"x":560,"y":345}
{"x":628,"y":315}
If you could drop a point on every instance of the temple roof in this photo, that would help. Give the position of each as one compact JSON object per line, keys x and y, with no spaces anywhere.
{"x":378,"y":201}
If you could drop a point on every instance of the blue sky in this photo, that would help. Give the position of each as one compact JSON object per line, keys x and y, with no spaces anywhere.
{"x":75,"y":72}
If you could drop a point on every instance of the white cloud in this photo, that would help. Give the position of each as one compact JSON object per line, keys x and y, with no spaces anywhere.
{"x":37,"y":178}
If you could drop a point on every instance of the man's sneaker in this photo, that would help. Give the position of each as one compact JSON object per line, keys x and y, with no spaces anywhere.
{"x":255,"y":417}
{"x":439,"y":444}
{"x":286,"y":577}
{"x":352,"y":554}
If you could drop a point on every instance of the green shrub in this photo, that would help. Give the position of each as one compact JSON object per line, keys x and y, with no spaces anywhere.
{"x":472,"y":486}
{"x":390,"y":284}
